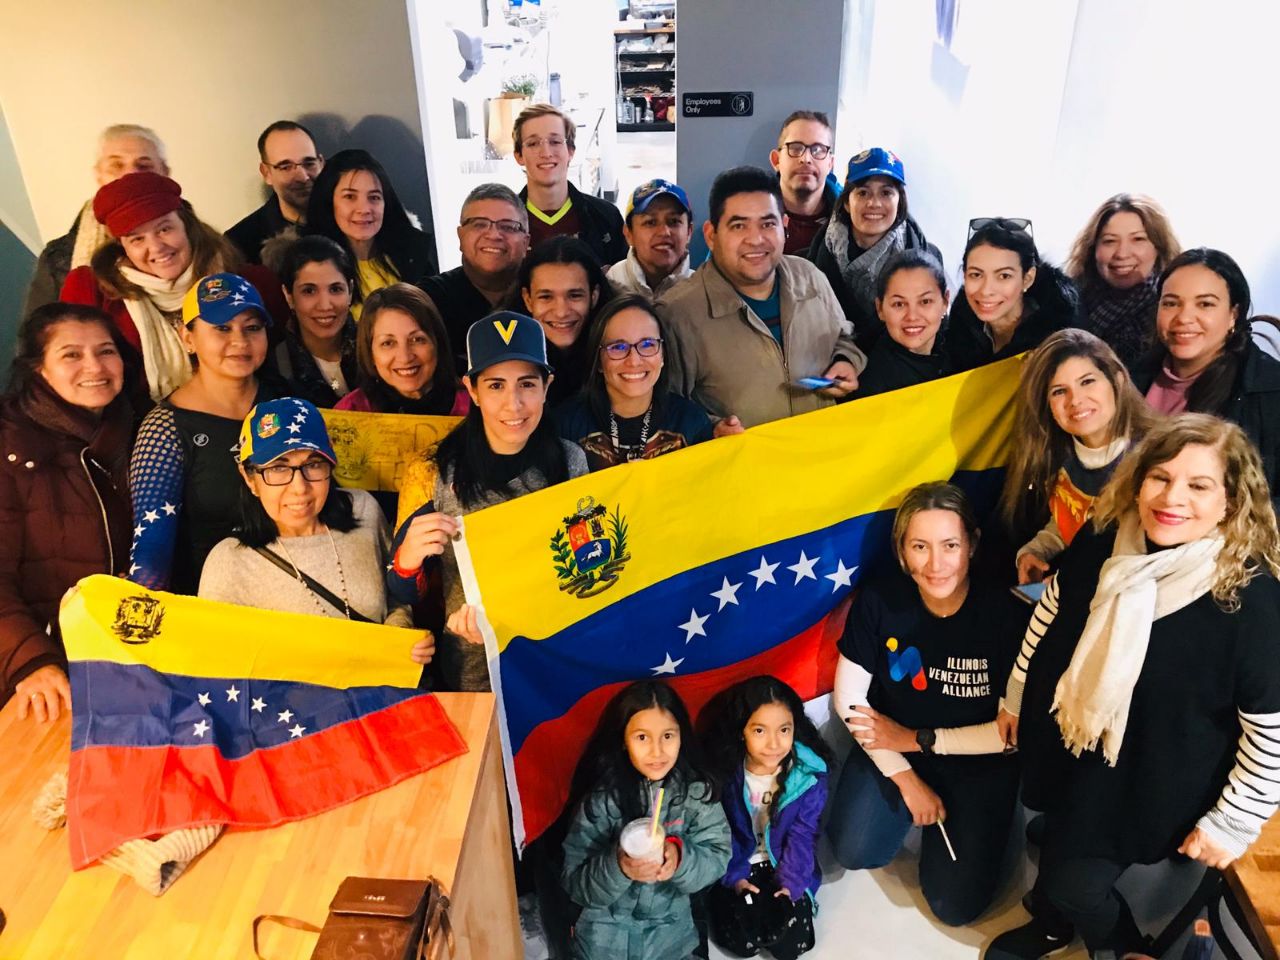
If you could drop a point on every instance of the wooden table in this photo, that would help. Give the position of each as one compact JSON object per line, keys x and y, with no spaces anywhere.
{"x":450,"y":822}
{"x":1254,"y":879}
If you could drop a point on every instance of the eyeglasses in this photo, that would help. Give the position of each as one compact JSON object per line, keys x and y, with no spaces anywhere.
{"x":484,"y":225}
{"x":309,"y":164}
{"x":795,"y":149}
{"x":551,"y":143}
{"x":1004,"y":223}
{"x":281,"y":475}
{"x":619,"y":349}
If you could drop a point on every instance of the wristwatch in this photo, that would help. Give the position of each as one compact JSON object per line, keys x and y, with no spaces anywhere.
{"x":926,"y":739}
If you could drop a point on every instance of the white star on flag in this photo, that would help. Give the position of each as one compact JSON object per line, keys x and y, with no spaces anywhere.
{"x":150,"y":516}
{"x":133,"y":568}
{"x":727,"y":594}
{"x":693,"y":626}
{"x":296,"y":731}
{"x":842,"y":577}
{"x":169,"y":509}
{"x":137,"y":531}
{"x":201,"y":728}
{"x":667,"y":666}
{"x":764,"y":572}
{"x":233,"y":694}
{"x":258,"y":705}
{"x":804,"y":568}
{"x":237,"y":298}
{"x":204,"y":699}
{"x":286,"y":716}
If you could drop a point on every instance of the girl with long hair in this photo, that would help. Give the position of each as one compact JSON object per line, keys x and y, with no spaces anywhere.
{"x":504,"y":448}
{"x":1078,"y":412}
{"x":1146,"y":696}
{"x":637,"y":906}
{"x":773,"y":765}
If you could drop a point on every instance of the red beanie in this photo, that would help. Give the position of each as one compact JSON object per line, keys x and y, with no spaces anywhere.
{"x":125,"y":204}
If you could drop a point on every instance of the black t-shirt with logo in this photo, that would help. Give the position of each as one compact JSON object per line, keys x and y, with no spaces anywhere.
{"x":931,"y":671}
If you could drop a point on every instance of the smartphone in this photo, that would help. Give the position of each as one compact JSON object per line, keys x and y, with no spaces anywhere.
{"x":814,"y":383}
{"x":1029,"y":592}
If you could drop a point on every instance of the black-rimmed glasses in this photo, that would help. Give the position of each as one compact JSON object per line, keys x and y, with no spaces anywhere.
{"x":1005,"y":223}
{"x":484,"y":225}
{"x":619,"y":349}
{"x":281,"y":474}
{"x":310,"y":164}
{"x":796,"y":149}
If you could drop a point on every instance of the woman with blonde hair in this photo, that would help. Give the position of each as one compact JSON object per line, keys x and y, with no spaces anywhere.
{"x":141,"y":278}
{"x":1148,"y":684}
{"x":1078,"y":412}
{"x":1116,"y":261}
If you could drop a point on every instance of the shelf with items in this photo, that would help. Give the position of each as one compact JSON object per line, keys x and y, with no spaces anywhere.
{"x":645,"y":76}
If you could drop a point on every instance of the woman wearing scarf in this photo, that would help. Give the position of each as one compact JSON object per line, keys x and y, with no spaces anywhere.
{"x":1116,"y":261}
{"x":869,"y":226}
{"x":1148,"y":685}
{"x":140,"y":278}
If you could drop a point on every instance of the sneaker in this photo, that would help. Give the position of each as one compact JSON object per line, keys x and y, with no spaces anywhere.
{"x":1030,"y":941}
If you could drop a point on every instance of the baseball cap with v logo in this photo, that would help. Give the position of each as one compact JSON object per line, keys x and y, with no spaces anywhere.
{"x":505,"y":335}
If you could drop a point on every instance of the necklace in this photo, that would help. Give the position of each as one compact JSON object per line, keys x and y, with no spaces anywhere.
{"x":644,"y":435}
{"x":341,"y":576}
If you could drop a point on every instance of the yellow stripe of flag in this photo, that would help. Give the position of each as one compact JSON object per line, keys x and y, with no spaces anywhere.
{"x":704,"y":503}
{"x":107,"y":618}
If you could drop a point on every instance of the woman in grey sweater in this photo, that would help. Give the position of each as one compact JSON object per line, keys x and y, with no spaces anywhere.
{"x":506,"y":447}
{"x":304,"y":545}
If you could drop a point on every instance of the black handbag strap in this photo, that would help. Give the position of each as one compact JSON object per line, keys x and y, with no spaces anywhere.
{"x":314,"y":585}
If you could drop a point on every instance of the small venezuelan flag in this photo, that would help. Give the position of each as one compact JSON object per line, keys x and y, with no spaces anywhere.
{"x":729,"y":559}
{"x":187,"y":712}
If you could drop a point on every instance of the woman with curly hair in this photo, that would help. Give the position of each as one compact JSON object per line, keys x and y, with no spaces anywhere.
{"x":1148,"y":684}
{"x":1116,"y":261}
{"x":1078,"y":412}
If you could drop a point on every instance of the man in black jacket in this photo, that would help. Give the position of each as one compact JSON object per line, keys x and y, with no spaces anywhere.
{"x":289,"y":163}
{"x":544,"y":146}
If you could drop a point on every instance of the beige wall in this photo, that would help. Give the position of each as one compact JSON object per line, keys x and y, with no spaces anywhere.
{"x":207,"y":77}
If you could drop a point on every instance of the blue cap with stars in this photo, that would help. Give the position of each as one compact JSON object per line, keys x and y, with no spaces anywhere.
{"x":275,"y":427}
{"x":219,"y":298}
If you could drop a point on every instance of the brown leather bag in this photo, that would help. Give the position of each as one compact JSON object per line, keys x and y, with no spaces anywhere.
{"x":374,"y":919}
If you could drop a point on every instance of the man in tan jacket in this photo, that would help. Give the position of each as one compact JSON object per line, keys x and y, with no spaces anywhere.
{"x":750,"y":322}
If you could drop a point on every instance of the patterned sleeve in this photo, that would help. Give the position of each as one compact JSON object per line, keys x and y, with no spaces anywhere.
{"x":1043,"y":615}
{"x":156,"y":479}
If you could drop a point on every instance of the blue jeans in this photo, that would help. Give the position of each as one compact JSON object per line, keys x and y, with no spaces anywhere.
{"x":869,"y":822}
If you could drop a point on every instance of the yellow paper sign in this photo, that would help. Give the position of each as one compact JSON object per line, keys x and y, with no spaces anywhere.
{"x":374,"y":449}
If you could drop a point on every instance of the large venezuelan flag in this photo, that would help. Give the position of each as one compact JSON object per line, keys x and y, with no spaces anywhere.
{"x":187,"y":712}
{"x":729,"y":559}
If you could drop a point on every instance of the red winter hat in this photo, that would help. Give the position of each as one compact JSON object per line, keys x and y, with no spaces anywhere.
{"x":124,"y":204}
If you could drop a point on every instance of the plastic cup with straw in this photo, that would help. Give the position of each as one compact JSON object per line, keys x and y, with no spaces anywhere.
{"x":643,"y":838}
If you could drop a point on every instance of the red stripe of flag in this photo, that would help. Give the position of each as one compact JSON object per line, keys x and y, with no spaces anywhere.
{"x":546,"y":761}
{"x":172,"y":787}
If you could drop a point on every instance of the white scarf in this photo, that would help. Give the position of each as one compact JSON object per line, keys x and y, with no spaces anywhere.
{"x":90,"y":235}
{"x":163,"y":356}
{"x":1134,"y":589}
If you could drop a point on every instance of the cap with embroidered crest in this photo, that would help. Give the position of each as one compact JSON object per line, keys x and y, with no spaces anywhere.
{"x":876,"y":162}
{"x":276,"y":427}
{"x":505,"y":335}
{"x":219,"y":298}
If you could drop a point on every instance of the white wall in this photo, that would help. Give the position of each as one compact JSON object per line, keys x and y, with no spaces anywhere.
{"x":1045,"y":109}
{"x":207,"y":78}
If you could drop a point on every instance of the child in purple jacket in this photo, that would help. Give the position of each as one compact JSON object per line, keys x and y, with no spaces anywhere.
{"x":773,"y":765}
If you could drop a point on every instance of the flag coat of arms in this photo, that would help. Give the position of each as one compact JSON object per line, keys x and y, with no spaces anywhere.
{"x":732,"y":558}
{"x":187,"y":712}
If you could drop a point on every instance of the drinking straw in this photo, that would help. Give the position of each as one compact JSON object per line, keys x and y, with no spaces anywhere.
{"x":657,"y":808}
{"x":950,"y":849}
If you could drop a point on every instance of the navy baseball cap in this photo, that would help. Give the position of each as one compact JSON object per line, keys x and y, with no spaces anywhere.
{"x":275,"y":427}
{"x":505,"y":335}
{"x":646,"y":193}
{"x":876,"y":162}
{"x":219,"y":298}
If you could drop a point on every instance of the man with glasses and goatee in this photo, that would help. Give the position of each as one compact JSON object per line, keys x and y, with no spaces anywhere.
{"x":289,"y":163}
{"x":804,"y":160}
